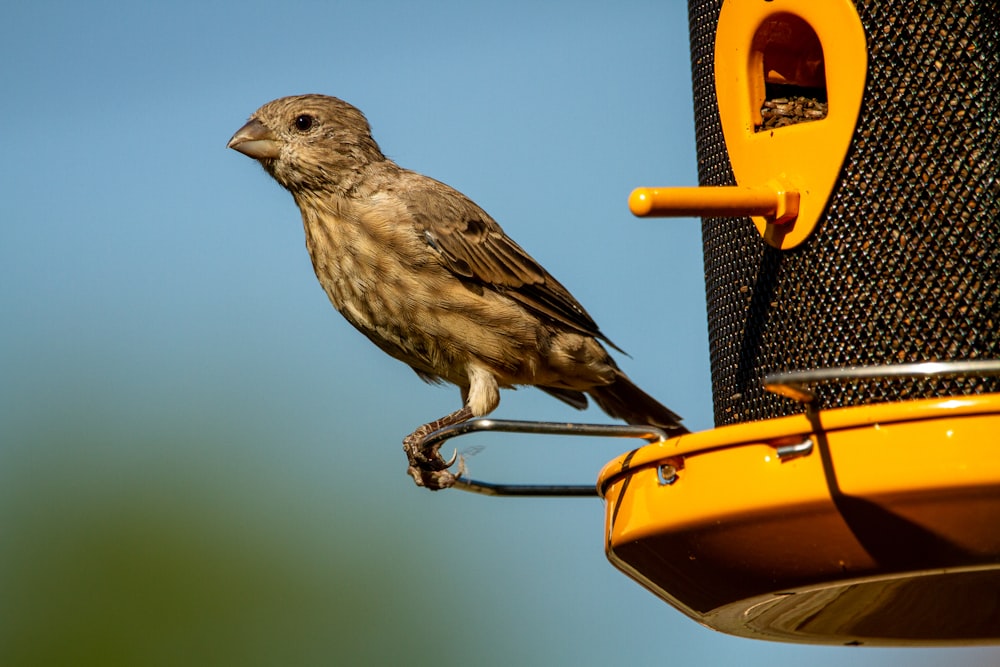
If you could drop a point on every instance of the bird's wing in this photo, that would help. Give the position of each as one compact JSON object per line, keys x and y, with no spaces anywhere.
{"x":474,"y":247}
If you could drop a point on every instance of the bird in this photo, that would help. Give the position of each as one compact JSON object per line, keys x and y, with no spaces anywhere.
{"x":431,"y":279}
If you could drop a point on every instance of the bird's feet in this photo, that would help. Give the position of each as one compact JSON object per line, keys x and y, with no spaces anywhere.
{"x":427,"y":467}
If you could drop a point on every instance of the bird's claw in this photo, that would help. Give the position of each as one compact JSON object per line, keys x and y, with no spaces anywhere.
{"x":428,"y":468}
{"x":435,"y":480}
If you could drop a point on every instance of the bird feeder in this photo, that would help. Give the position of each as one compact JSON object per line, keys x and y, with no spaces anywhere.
{"x":849,"y":200}
{"x":849,"y":196}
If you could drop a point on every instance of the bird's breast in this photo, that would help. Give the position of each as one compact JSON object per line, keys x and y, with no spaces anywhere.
{"x":383,"y":280}
{"x":387,"y":281}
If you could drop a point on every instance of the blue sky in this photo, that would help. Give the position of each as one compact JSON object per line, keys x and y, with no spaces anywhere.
{"x":200,"y":460}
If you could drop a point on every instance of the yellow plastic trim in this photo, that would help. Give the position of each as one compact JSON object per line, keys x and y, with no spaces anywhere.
{"x":781,"y":430}
{"x":883,"y":528}
{"x":774,"y":35}
{"x":786,"y":174}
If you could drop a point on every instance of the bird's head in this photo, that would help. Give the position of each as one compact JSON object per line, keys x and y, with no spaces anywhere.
{"x":308,"y":142}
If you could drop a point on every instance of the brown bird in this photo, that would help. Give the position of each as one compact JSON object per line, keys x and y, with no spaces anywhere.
{"x":431,"y":279}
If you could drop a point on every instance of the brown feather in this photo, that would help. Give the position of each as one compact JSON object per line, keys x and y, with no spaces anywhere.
{"x":428,"y":276}
{"x":474,"y":246}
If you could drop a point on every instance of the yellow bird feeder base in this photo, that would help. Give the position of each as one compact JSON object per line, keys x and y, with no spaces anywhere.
{"x":876,"y":525}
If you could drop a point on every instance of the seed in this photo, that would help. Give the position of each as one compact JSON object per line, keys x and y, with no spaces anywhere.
{"x":783,"y":111}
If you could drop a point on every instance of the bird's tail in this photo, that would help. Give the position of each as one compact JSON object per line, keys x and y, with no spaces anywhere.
{"x":624,"y":400}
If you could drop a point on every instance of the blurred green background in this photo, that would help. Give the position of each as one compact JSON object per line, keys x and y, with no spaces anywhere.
{"x":200,"y":462}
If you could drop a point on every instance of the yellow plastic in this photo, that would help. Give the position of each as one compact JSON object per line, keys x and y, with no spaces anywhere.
{"x":808,"y":45}
{"x":774,"y":202}
{"x":776,"y":42}
{"x":885,"y":533}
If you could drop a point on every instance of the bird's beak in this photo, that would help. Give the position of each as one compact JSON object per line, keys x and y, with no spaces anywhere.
{"x":256,"y":140}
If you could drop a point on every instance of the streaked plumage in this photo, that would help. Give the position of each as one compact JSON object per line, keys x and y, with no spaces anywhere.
{"x":430,"y":278}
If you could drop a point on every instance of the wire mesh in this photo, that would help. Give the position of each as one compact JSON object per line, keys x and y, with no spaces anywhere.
{"x":904,"y":265}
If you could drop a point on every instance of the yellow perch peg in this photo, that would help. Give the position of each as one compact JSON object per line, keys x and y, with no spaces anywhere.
{"x":776,"y":203}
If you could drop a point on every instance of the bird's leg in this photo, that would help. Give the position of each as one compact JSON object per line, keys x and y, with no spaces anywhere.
{"x":427,"y":468}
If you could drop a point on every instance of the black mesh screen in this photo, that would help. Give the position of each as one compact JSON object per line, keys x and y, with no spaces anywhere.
{"x":904,"y":266}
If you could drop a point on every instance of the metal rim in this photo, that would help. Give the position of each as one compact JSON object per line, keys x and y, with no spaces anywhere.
{"x":648,"y":433}
{"x":793,"y":384}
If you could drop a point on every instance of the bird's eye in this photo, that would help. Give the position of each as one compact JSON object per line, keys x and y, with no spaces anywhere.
{"x":304,"y":122}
